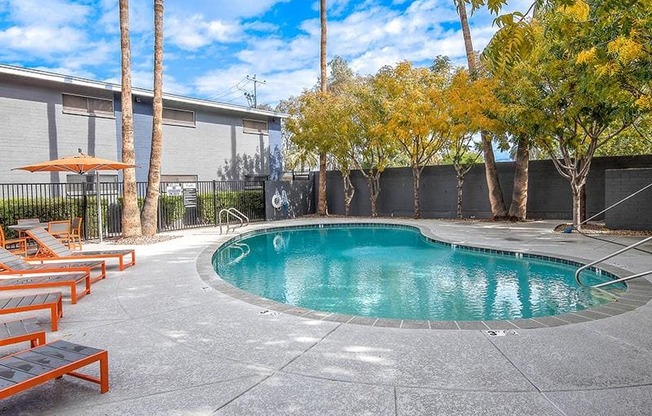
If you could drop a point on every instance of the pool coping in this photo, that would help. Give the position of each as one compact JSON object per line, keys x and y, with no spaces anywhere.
{"x":638,"y":293}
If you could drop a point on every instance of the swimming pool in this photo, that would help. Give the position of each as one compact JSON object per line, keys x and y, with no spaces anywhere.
{"x":389,"y":271}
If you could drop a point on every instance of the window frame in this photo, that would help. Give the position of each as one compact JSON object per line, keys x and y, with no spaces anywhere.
{"x":88,"y":113}
{"x":181,"y":123}
{"x":249,"y":130}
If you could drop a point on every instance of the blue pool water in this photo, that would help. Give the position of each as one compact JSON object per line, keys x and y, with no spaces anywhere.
{"x":395,"y":272}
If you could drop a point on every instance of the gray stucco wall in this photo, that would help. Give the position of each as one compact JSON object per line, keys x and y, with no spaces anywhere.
{"x":549,"y":194}
{"x":214,"y":149}
{"x":35,"y":129}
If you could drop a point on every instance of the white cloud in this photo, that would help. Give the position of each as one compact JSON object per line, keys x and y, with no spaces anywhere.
{"x":42,"y":41}
{"x":195,"y":32}
{"x":221,"y":9}
{"x":48,"y":12}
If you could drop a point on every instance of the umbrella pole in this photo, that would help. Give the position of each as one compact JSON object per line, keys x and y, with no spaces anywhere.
{"x":99,"y":204}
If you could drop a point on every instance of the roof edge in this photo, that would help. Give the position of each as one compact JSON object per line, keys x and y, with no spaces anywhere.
{"x":75,"y":80}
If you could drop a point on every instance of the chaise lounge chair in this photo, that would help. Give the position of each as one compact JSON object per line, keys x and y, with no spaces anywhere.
{"x":26,"y":369}
{"x":12,"y":264}
{"x":51,"y":248}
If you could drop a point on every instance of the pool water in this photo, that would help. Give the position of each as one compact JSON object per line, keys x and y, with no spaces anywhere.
{"x":396,"y":272}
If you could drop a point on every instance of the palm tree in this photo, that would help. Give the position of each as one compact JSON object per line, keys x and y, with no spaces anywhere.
{"x":321,"y":205}
{"x":496,"y":200}
{"x":149,"y":217}
{"x":130,"y":214}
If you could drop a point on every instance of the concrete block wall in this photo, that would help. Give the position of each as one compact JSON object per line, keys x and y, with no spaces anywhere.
{"x":636,"y":212}
{"x":549,"y":195}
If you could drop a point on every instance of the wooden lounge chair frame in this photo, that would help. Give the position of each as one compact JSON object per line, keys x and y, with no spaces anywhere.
{"x":19,"y":244}
{"x":52,"y":301}
{"x":51,"y":248}
{"x":60,"y":230}
{"x":70,"y":280}
{"x":26,"y":369}
{"x":22,"y":330}
{"x":12,"y":264}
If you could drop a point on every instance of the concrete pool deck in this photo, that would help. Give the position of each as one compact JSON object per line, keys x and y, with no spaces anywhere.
{"x":178,"y":346}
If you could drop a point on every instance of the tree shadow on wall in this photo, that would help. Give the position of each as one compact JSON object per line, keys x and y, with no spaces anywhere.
{"x":243,"y":164}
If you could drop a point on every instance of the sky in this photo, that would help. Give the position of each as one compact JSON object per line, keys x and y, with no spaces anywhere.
{"x":213,"y":49}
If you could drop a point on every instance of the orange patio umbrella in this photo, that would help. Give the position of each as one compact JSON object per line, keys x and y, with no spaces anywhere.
{"x":81,"y":164}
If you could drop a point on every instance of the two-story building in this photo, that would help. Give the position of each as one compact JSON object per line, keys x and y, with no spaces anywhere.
{"x":45,"y":116}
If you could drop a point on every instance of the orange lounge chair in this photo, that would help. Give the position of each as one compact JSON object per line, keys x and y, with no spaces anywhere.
{"x":51,"y":301}
{"x":51,"y":248}
{"x":37,"y":281}
{"x":12,"y":264}
{"x":26,"y":369}
{"x":20,"y":331}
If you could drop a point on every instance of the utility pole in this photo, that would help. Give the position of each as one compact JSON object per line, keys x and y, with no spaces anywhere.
{"x":255,"y":96}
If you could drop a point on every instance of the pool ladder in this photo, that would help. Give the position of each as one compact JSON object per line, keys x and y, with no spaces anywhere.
{"x":244,"y":252}
{"x":232,"y":213}
{"x":611,"y":282}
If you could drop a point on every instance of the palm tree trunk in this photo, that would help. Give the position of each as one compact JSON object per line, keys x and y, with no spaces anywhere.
{"x":496,"y":200}
{"x":130,"y":213}
{"x":321,"y":205}
{"x":150,"y":209}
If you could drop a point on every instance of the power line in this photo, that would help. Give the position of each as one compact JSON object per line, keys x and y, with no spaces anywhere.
{"x":254,"y":97}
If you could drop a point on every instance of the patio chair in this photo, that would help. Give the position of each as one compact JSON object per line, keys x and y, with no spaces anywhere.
{"x":51,"y":248}
{"x":14,"y":245}
{"x":12,"y":264}
{"x":75,"y":234}
{"x":60,"y":230}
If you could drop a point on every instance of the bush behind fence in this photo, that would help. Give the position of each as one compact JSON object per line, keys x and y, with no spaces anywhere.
{"x":181,"y":205}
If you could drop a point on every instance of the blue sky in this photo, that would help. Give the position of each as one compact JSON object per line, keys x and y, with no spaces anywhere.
{"x":211,"y":46}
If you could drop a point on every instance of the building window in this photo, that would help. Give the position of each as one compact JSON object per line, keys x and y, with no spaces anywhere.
{"x":87,"y":106}
{"x":177,"y":117}
{"x":254,"y":127}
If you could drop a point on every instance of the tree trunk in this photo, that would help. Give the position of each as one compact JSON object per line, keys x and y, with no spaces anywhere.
{"x":496,"y":200}
{"x":466,"y":33}
{"x":518,"y":209}
{"x":322,"y":208}
{"x":460,"y":187}
{"x":373,"y":180}
{"x":150,"y":209}
{"x":416,"y":185}
{"x":130,"y":213}
{"x":349,"y":191}
{"x":576,"y":190}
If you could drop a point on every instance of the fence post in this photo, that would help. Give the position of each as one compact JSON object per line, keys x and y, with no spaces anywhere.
{"x":215,"y":202}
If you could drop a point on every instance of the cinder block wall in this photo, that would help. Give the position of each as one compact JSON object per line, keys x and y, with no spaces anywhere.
{"x":636,"y":212}
{"x":549,"y":195}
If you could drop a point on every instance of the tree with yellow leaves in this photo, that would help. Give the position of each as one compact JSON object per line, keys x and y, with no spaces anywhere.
{"x":416,"y":115}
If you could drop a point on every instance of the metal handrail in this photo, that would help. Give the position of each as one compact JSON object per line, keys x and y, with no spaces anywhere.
{"x":593,"y":263}
{"x":232,"y":212}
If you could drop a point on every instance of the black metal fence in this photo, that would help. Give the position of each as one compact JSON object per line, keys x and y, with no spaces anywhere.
{"x":181,"y":204}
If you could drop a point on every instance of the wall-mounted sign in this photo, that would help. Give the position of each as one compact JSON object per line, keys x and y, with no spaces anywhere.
{"x":173,"y":189}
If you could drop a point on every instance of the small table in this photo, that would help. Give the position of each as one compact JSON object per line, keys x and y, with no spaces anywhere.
{"x":25,"y":227}
{"x":21,"y":228}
